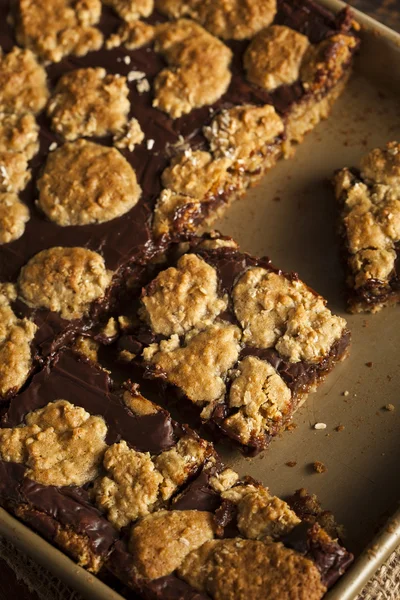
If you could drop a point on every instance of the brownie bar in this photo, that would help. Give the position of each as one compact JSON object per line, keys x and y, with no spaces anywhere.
{"x":369,"y":202}
{"x":113,"y":481}
{"x":234,"y":338}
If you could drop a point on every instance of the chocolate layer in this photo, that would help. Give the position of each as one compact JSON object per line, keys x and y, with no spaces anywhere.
{"x":70,"y":378}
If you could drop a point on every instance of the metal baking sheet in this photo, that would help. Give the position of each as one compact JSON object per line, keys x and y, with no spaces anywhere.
{"x":291,"y":217}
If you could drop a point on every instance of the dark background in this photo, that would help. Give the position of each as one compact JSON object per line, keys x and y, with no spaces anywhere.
{"x":386,"y":11}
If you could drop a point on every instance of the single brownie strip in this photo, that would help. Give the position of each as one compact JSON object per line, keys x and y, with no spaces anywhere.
{"x":369,"y":203}
{"x":112,"y":480}
{"x":235,"y":338}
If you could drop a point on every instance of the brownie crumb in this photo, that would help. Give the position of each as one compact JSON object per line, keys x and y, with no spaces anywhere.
{"x":319,"y":467}
{"x":369,"y":364}
{"x":291,"y":463}
{"x":339,"y":428}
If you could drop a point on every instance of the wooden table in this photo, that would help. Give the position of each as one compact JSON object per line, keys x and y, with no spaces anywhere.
{"x":386,"y":11}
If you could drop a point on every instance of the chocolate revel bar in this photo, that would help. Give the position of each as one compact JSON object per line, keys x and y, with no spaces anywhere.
{"x":369,"y":204}
{"x":112,"y":480}
{"x":233,"y":337}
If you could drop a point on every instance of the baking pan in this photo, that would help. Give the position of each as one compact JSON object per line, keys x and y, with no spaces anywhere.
{"x":291,"y":217}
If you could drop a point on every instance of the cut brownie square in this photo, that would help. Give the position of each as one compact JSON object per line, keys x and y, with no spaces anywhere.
{"x":234,"y":338}
{"x":112,"y":480}
{"x":369,"y":201}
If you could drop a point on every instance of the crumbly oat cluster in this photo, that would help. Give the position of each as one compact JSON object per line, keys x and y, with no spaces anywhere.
{"x":61,"y":444}
{"x":131,"y":10}
{"x":274,"y":56}
{"x":135,"y":484}
{"x":64,"y":280}
{"x":129,"y":136}
{"x":260,"y":516}
{"x":262,"y":397}
{"x":131,"y":487}
{"x":19,"y":133}
{"x":23,"y":82}
{"x":55,"y":29}
{"x":14,"y":215}
{"x":16,"y":336}
{"x":198,"y":72}
{"x":189,"y":181}
{"x":231,"y":19}
{"x":132,"y":36}
{"x":325,"y":63}
{"x":183,"y":297}
{"x":221,"y":569}
{"x":243,"y":134}
{"x":371,"y":220}
{"x":84,"y":183}
{"x":161,"y":542}
{"x":14,"y":172}
{"x":89,"y":103}
{"x":277,"y":312}
{"x":200,"y":364}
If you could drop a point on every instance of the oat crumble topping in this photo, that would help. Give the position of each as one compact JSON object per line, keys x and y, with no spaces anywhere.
{"x":182,"y":298}
{"x":64,"y":280}
{"x":89,"y":103}
{"x":14,"y":215}
{"x":198,"y":72}
{"x":23,"y":83}
{"x":61,"y":444}
{"x":274,"y":56}
{"x":16,"y":336}
{"x":161,"y":541}
{"x":55,"y":29}
{"x":85,"y":183}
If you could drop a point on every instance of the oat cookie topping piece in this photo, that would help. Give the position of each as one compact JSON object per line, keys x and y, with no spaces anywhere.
{"x":180,"y":462}
{"x":324,"y":64}
{"x":131,"y":487}
{"x":161,"y":541}
{"x":277,"y":312}
{"x":55,"y":29}
{"x":19,"y":133}
{"x":221,"y":568}
{"x":198,"y":72}
{"x":64,"y":280}
{"x":260,"y":515}
{"x":89,"y":102}
{"x":183,"y":297}
{"x":191,"y":179}
{"x":230,"y":19}
{"x":16,"y":336}
{"x":274,"y":56}
{"x":14,"y":215}
{"x":23,"y":83}
{"x":14,"y":172}
{"x":61,"y":444}
{"x":262,"y":397}
{"x":130,"y":135}
{"x":370,"y":222}
{"x":132,"y":36}
{"x":200,"y":365}
{"x":131,"y":10}
{"x":242,"y":134}
{"x":85,"y":183}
